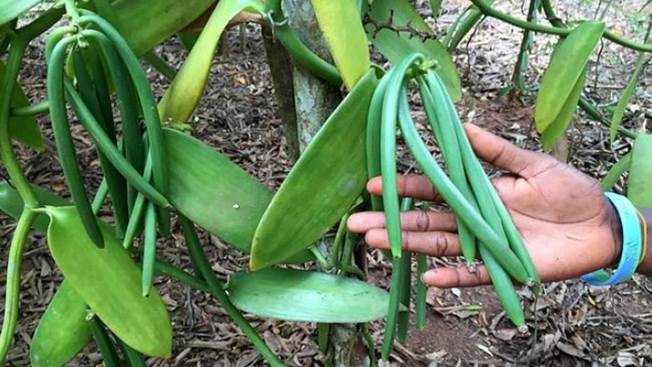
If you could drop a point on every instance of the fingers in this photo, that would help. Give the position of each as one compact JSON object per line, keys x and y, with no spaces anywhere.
{"x":503,"y":154}
{"x":428,"y":243}
{"x":417,"y":220}
{"x":456,"y":277}
{"x":414,"y":186}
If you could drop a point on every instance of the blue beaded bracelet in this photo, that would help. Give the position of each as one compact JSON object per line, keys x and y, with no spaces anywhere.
{"x":632,"y":244}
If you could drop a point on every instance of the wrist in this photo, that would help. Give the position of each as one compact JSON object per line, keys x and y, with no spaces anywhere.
{"x":616,"y":234}
{"x":645,"y":266}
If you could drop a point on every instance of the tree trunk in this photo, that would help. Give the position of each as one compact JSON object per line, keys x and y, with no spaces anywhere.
{"x":314,"y":101}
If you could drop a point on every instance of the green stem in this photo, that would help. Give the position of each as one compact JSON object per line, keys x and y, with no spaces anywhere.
{"x":488,"y":10}
{"x":7,"y":155}
{"x":217,"y":291}
{"x":31,"y":110}
{"x":12,"y":295}
{"x":71,"y":10}
{"x":593,"y":112}
{"x":167,"y":70}
{"x":173,"y":272}
{"x":104,"y":343}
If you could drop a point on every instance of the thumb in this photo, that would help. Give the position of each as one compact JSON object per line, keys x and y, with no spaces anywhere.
{"x":503,"y":154}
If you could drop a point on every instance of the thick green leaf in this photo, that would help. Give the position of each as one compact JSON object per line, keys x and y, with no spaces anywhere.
{"x":183,"y":95}
{"x":25,"y":129}
{"x":639,"y":187}
{"x":63,"y":330}
{"x":216,"y":193}
{"x":11,"y":9}
{"x":619,"y":112}
{"x":146,"y":23}
{"x":396,"y":46}
{"x":296,"y":295}
{"x":340,"y":23}
{"x":567,"y":67}
{"x":108,"y":280}
{"x":558,"y":126}
{"x":12,"y":204}
{"x":321,"y":186}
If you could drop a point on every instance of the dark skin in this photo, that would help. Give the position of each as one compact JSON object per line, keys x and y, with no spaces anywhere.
{"x":567,"y":224}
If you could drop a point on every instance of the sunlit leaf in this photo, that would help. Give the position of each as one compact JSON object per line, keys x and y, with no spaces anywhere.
{"x":297,"y":295}
{"x":341,"y":25}
{"x":639,"y":189}
{"x":321,"y":186}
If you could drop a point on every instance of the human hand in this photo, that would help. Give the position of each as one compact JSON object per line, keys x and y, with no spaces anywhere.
{"x":567,"y":224}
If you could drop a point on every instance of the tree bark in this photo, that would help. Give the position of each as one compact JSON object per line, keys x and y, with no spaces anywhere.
{"x":314,"y":101}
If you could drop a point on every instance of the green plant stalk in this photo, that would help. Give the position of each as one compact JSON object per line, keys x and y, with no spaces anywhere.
{"x":149,"y":249}
{"x":458,"y":203}
{"x":167,"y":70}
{"x":420,"y":302}
{"x":104,"y":343}
{"x":488,"y":10}
{"x":217,"y":291}
{"x":71,"y":10}
{"x":32,"y":110}
{"x":299,"y":51}
{"x":7,"y":155}
{"x":593,"y":112}
{"x":617,"y":170}
{"x":149,"y":108}
{"x":109,"y":149}
{"x":323,"y":333}
{"x":65,"y":146}
{"x":12,"y":292}
{"x":173,"y":272}
{"x":337,"y":242}
{"x":446,"y":139}
{"x":461,"y":27}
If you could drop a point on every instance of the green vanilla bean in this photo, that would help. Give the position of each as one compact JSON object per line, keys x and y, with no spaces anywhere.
{"x":137,"y":211}
{"x":447,"y":141}
{"x":388,"y":151}
{"x":104,"y":343}
{"x":458,"y":202}
{"x":420,"y":302}
{"x":149,"y":249}
{"x":94,"y":92}
{"x":149,"y":108}
{"x":217,"y":291}
{"x":163,"y":268}
{"x":484,"y":190}
{"x":132,"y":357}
{"x":128,"y":106}
{"x":65,"y":146}
{"x":111,"y":151}
{"x":406,"y":284}
{"x":372,"y":137}
{"x":392,"y":311}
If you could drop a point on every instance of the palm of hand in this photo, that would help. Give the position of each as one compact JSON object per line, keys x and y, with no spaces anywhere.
{"x":563,"y":217}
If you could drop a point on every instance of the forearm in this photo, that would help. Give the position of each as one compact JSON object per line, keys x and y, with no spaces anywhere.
{"x":646,"y":265}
